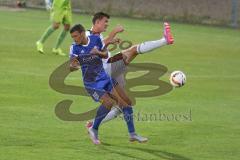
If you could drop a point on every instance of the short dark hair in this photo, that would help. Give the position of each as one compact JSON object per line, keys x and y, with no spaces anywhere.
{"x":77,"y":27}
{"x":99,"y":16}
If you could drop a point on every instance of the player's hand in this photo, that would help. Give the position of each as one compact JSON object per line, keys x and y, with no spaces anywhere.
{"x":103,"y":53}
{"x":115,"y":41}
{"x":74,"y":64}
{"x":118,"y":29}
{"x":95,"y":51}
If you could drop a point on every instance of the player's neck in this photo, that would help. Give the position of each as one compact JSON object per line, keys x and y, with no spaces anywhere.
{"x":95,"y":30}
{"x":84,"y":41}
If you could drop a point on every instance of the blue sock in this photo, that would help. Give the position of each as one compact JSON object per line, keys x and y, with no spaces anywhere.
{"x":101,"y":114}
{"x":128,"y":116}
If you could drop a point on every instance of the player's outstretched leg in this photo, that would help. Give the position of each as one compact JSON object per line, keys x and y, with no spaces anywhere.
{"x":145,"y":47}
{"x":167,"y":39}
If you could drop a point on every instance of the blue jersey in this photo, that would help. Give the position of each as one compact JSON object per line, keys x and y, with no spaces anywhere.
{"x":93,"y":73}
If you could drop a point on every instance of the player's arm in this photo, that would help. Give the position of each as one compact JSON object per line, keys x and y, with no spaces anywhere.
{"x":74,"y":62}
{"x":100,"y":49}
{"x":114,"y":41}
{"x":111,"y":37}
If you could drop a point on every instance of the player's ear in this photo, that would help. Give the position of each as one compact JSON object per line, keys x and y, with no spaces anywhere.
{"x":83,"y":34}
{"x":97,"y":21}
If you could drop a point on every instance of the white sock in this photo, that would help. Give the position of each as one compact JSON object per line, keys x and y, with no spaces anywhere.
{"x":115,"y":111}
{"x":151,"y":45}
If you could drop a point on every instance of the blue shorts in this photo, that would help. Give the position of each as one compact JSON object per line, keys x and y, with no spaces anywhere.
{"x":97,"y":90}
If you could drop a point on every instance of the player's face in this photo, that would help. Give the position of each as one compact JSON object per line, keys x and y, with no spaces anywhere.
{"x":79,"y":38}
{"x":102,"y":24}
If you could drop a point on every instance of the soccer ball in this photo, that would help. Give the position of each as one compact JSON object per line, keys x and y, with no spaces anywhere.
{"x":177,"y":78}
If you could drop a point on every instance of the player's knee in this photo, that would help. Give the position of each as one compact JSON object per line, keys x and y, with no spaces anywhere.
{"x":125,"y":60}
{"x":129,"y":102}
{"x":66,"y":27}
{"x":56,"y":25}
{"x":134,"y":49}
{"x":125,"y":102}
{"x":108,"y":103}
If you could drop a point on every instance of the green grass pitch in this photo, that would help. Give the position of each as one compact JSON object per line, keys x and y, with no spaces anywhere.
{"x":30,"y":130}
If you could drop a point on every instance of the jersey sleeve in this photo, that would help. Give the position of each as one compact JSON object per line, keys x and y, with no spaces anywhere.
{"x":72,"y":52}
{"x":100,"y":43}
{"x":87,"y":33}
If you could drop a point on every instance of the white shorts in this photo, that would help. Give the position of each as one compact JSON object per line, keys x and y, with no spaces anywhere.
{"x":117,"y":71}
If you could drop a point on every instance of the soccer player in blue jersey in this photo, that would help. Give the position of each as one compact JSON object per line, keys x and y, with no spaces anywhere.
{"x":87,"y":53}
{"x":116,"y":69}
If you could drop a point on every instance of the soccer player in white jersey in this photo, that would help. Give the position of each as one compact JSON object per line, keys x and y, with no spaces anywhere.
{"x":115,"y":66}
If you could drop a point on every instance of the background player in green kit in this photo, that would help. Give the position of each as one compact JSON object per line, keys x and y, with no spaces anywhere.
{"x":61,"y":13}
